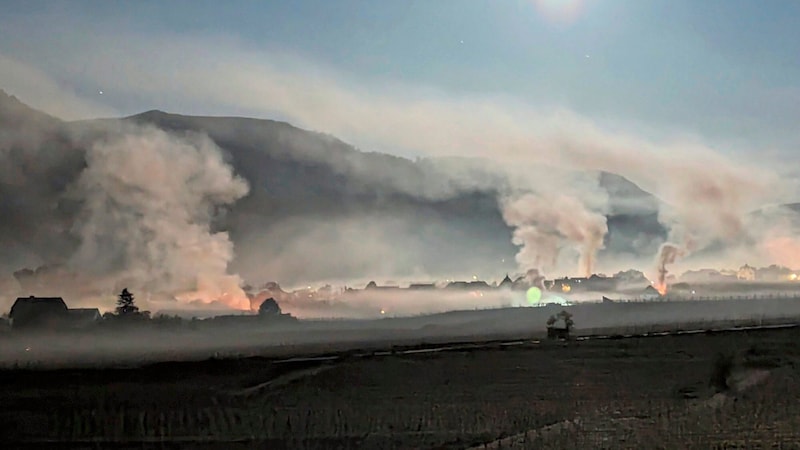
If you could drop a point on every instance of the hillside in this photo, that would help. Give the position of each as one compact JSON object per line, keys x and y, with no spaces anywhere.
{"x":318,"y":208}
{"x":297,"y":173}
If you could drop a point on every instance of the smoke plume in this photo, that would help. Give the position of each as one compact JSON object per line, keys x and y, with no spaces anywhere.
{"x":543,"y":226}
{"x":668,"y":253}
{"x":534,"y":277}
{"x":148,"y":200}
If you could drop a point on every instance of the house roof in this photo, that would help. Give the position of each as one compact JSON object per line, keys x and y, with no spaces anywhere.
{"x":25,"y":305}
{"x":650,"y":290}
{"x":84,"y":313}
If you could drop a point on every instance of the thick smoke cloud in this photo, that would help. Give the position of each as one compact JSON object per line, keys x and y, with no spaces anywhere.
{"x":543,"y":226}
{"x":148,"y":200}
{"x":101,"y":207}
{"x":705,"y":194}
{"x":708,"y":193}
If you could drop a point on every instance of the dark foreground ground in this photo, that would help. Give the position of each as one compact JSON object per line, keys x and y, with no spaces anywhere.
{"x":638,"y":393}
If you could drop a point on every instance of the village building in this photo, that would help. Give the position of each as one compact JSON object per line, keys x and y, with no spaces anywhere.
{"x":83,"y":317}
{"x":422,"y":286}
{"x":507,"y":283}
{"x":31,"y":312}
{"x":468,"y":285}
{"x":374,"y":286}
{"x":50,"y":312}
{"x":650,"y":293}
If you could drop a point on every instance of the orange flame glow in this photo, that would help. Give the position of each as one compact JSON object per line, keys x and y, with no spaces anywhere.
{"x":225,"y":290}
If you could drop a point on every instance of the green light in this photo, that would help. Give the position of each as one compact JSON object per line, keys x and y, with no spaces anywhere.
{"x":534,"y":295}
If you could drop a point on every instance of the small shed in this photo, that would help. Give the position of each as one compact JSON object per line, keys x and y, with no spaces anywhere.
{"x":38,"y":312}
{"x":559,"y":326}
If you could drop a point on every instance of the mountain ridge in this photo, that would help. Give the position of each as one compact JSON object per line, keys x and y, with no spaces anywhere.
{"x":311,"y":192}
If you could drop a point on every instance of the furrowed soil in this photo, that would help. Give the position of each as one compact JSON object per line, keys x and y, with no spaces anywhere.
{"x":721,"y":390}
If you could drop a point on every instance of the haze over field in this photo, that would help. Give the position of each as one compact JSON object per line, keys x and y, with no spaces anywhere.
{"x":527,"y":135}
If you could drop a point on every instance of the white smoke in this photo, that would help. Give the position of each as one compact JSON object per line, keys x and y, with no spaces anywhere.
{"x":148,"y":200}
{"x":545,"y":225}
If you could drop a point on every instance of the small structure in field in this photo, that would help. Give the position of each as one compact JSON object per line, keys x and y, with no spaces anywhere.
{"x":559,"y":325}
{"x":31,"y":312}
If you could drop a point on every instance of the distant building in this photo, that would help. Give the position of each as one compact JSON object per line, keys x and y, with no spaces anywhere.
{"x":468,"y":285}
{"x":507,"y":283}
{"x":593,"y":283}
{"x":374,"y":286}
{"x":31,"y":312}
{"x":650,"y":293}
{"x":422,"y":286}
{"x":83,"y":317}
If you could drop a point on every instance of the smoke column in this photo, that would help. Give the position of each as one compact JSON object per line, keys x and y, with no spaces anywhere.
{"x":668,"y":253}
{"x":542,"y":225}
{"x":148,"y":200}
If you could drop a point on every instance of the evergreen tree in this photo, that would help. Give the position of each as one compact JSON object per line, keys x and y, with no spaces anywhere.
{"x":125,"y":304}
{"x":269,"y":307}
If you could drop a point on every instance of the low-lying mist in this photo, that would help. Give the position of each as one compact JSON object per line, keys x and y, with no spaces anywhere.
{"x":205,"y":339}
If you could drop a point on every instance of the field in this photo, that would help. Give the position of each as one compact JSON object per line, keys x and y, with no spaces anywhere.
{"x":716,"y":390}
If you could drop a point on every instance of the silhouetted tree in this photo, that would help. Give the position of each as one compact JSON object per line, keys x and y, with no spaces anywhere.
{"x":269,"y":307}
{"x":125,"y":305}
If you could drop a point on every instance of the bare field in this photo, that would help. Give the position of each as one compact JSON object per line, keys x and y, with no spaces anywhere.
{"x":617,"y":393}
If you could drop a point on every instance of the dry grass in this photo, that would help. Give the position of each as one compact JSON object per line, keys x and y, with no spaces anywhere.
{"x":606,"y":394}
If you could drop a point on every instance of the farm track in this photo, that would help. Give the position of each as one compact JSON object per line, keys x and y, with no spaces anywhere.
{"x":460,"y":346}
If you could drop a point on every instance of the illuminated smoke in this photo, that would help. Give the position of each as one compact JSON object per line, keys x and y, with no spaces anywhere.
{"x":668,"y":253}
{"x":148,"y":200}
{"x":542,"y":226}
{"x":533,"y":277}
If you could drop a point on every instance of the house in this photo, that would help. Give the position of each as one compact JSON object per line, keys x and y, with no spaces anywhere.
{"x":83,"y":317}
{"x":593,"y":283}
{"x":422,"y":286}
{"x":506,"y":283}
{"x":468,"y":285}
{"x":30,"y":312}
{"x":650,"y":293}
{"x":374,"y":286}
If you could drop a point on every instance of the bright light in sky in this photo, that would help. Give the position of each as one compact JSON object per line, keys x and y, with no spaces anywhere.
{"x":561,"y":11}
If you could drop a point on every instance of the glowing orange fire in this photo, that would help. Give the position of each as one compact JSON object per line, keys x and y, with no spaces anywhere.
{"x":224,"y":290}
{"x":662,"y":288}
